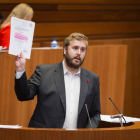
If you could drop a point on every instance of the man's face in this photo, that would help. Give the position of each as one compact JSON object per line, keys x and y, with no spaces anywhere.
{"x":75,"y":53}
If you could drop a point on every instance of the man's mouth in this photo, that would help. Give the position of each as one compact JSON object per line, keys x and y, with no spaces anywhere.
{"x":77,"y":58}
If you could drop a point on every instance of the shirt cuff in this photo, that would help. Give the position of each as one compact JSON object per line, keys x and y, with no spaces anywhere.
{"x":19,"y":74}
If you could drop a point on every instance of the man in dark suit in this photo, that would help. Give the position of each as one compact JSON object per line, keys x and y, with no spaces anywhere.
{"x":66,"y":93}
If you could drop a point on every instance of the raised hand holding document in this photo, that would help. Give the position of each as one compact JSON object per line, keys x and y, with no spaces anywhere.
{"x":21,"y":37}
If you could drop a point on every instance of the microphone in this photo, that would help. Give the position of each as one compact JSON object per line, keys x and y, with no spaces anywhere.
{"x":118,"y":111}
{"x":88,"y":115}
{"x":116,"y":116}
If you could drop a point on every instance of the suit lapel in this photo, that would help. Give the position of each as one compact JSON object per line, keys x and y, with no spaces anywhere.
{"x":59,"y":81}
{"x":83,"y":89}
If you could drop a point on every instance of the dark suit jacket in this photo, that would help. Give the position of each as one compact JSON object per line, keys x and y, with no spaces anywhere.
{"x":47,"y":82}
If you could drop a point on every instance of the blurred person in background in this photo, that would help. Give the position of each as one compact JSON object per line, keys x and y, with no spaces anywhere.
{"x":21,"y":11}
{"x":1,"y":18}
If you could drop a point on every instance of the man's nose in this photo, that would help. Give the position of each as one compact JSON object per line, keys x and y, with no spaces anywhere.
{"x":79,"y":51}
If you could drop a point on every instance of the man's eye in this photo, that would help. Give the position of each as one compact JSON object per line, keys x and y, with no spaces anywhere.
{"x":75,"y":48}
{"x":82,"y":49}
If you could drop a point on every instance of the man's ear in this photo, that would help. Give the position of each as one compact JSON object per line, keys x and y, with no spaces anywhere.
{"x":64,"y":50}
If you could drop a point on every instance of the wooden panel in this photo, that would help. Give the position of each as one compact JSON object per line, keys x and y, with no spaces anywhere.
{"x":110,"y":65}
{"x":37,"y":44}
{"x":78,"y":16}
{"x":47,"y":40}
{"x":112,"y":82}
{"x":87,"y":28}
{"x":70,"y":16}
{"x":65,"y":7}
{"x":99,"y":7}
{"x":125,"y":133}
{"x":132,"y":88}
{"x":73,"y":1}
{"x":36,"y":7}
{"x":132,"y":91}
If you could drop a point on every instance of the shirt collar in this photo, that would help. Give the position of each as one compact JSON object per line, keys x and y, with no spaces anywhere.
{"x":67,"y":72}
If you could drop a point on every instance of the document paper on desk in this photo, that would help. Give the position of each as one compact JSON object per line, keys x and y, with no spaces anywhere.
{"x":21,"y":37}
{"x":107,"y":118}
{"x":10,"y":126}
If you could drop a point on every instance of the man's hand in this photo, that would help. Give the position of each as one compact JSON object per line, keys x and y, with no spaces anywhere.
{"x":20,"y":63}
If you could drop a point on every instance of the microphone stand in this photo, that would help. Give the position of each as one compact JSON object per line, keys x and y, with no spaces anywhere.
{"x":119,"y":115}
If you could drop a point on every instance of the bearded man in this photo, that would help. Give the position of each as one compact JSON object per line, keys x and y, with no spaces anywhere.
{"x":68,"y":96}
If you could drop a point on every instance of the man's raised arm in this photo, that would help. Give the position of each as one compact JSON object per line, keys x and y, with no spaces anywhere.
{"x":25,"y":90}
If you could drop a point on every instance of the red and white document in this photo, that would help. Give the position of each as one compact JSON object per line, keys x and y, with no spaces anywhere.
{"x":21,"y":37}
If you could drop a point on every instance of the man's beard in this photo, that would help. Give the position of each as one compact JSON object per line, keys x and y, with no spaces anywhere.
{"x":72,"y":64}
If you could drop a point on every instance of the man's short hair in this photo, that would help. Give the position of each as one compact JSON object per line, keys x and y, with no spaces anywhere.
{"x":77,"y":36}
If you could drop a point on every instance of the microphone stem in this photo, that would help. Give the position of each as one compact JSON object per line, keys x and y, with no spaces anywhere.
{"x":115,"y":105}
{"x":88,"y":115}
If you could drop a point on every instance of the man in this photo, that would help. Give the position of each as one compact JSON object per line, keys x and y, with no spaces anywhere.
{"x":63,"y":89}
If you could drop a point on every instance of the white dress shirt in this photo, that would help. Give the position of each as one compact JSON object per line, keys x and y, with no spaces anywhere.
{"x":72,"y":90}
{"x":19,"y":74}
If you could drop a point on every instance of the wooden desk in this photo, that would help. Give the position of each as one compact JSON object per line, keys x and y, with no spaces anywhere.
{"x":126,"y":133}
{"x":108,"y":61}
